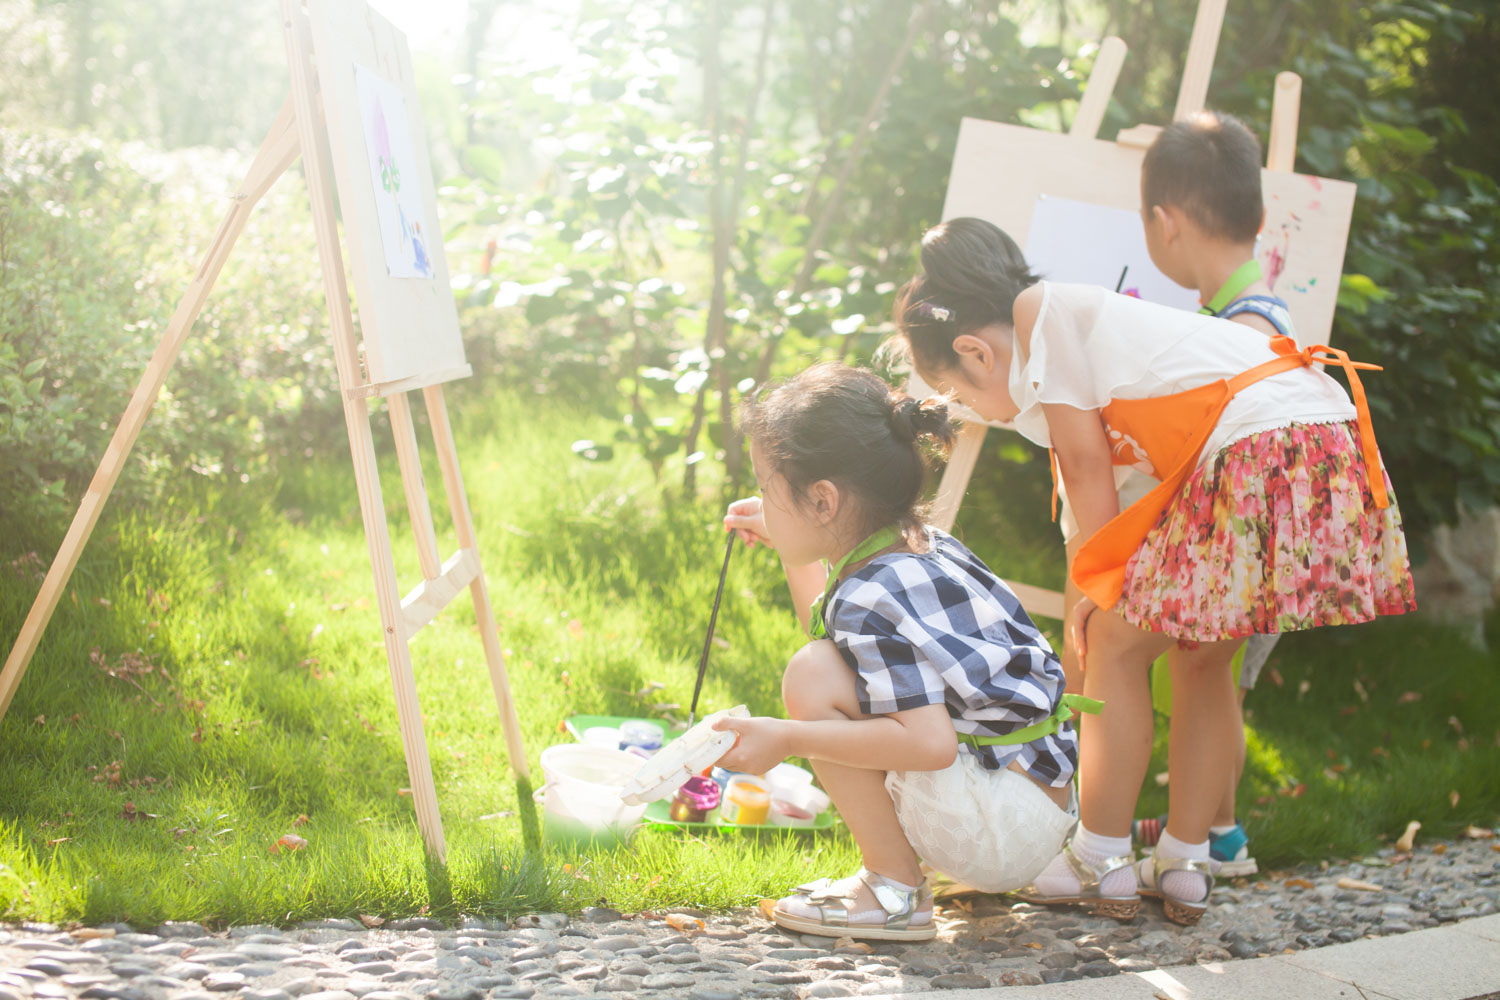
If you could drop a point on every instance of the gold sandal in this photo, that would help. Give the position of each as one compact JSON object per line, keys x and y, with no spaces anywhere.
{"x":1180,"y":911}
{"x":1089,"y":897}
{"x":835,"y":902}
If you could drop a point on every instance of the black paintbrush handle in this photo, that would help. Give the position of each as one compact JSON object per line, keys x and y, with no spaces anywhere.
{"x":708,"y":640}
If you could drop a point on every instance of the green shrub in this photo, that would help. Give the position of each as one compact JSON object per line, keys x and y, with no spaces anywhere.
{"x":97,"y":246}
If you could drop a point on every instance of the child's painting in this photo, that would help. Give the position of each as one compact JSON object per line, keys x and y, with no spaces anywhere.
{"x":393,"y":168}
{"x":1298,"y":208}
{"x":1086,"y":244}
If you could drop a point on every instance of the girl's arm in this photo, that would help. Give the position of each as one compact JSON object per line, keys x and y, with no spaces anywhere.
{"x":1085,"y":463}
{"x":918,"y":739}
{"x":806,"y":582}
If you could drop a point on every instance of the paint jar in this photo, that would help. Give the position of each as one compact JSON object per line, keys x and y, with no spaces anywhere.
{"x":746,"y":801}
{"x":720,"y":776}
{"x":788,"y":781}
{"x":694,"y":801}
{"x":602,"y":736}
{"x":784,"y":813}
{"x":638,"y":735}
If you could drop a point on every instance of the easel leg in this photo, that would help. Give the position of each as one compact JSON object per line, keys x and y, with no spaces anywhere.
{"x":397,"y":648}
{"x":950,"y":494}
{"x":463,"y":525}
{"x":276,"y":154}
{"x":357,"y":419}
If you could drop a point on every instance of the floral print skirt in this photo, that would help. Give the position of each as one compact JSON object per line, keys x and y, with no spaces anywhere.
{"x":1277,"y":532}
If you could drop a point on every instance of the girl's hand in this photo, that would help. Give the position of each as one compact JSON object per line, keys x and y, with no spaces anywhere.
{"x":760,"y":747}
{"x":1079,"y":626}
{"x":746,"y":519}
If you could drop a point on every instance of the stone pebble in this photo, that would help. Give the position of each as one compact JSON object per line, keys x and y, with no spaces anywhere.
{"x":982,"y":941}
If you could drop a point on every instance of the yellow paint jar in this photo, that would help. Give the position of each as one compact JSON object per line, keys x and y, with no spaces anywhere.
{"x":747,"y":800}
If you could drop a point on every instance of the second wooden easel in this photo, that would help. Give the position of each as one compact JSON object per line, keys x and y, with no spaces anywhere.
{"x":1190,"y":99}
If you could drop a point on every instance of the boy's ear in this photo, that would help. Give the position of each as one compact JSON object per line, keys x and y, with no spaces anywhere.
{"x":1169,"y":219}
{"x":975,"y":350}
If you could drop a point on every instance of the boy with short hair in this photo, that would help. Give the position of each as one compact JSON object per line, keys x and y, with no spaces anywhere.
{"x":1203,"y":210}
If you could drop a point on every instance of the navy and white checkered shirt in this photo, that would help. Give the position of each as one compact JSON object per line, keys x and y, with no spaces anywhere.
{"x":940,"y":628}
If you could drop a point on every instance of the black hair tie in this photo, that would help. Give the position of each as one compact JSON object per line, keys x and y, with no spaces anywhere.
{"x":904,"y":420}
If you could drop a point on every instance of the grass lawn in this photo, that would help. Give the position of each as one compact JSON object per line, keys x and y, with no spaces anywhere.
{"x":215,"y":678}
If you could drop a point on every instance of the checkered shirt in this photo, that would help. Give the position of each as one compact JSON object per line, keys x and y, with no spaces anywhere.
{"x":940,"y":628}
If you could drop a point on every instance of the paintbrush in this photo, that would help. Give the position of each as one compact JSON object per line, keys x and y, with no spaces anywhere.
{"x":708,"y":640}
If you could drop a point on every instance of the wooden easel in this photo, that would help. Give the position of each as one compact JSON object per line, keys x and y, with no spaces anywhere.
{"x":299,"y":130}
{"x":1192,"y":93}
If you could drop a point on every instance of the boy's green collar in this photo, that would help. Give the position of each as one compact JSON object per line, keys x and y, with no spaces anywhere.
{"x":1244,"y":276}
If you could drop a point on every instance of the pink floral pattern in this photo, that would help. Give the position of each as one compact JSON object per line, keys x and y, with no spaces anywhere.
{"x":1278,"y":532}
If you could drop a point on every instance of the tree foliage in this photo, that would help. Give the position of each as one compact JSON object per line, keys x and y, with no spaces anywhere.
{"x":704,"y":194}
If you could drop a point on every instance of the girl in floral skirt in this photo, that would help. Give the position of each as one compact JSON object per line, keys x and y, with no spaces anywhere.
{"x":1274,"y":514}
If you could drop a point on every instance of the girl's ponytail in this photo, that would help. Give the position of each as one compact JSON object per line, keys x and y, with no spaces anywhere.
{"x":913,"y":419}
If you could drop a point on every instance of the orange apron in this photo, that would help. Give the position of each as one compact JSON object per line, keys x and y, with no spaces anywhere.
{"x":1171,"y":431}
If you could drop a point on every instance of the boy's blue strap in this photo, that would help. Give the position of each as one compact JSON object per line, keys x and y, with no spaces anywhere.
{"x":1270,"y":308}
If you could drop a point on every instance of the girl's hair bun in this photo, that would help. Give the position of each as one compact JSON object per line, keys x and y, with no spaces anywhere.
{"x":911,"y":419}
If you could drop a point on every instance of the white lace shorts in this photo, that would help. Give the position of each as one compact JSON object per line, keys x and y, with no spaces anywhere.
{"x":993,"y":830}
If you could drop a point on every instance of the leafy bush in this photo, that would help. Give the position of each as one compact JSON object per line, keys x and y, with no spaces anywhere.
{"x":97,"y":245}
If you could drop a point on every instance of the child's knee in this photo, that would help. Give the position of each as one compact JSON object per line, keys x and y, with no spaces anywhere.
{"x":806,"y":683}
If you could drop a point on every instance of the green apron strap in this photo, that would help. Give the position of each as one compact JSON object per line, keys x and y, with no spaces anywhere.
{"x":1066,"y":706}
{"x":882,"y":539}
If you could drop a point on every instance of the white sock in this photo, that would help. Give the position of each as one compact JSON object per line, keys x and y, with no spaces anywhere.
{"x":1057,"y":879}
{"x":1188,"y":886}
{"x":1219,"y":831}
{"x":901,"y":885}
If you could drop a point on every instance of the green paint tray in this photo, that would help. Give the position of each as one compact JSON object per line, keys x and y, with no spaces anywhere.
{"x":658,"y":813}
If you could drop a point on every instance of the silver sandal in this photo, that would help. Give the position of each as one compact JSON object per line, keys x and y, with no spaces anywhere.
{"x":1180,"y":911}
{"x":1089,"y":897}
{"x":835,"y":902}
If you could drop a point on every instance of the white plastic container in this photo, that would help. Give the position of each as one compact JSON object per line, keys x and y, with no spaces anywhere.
{"x":694,"y":752}
{"x":581,"y":799}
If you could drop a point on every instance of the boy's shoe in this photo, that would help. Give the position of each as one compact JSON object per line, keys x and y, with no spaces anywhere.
{"x":1231,"y":850}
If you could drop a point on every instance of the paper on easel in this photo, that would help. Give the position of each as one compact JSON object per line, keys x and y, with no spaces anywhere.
{"x":1086,"y":244}
{"x":393,"y":159}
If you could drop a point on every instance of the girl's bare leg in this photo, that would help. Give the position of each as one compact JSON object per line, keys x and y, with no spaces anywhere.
{"x":819,"y":685}
{"x":1114,"y":748}
{"x":1206,"y":725}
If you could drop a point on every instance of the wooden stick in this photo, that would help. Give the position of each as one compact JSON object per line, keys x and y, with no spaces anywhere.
{"x":1286,"y":106}
{"x":435,"y":593}
{"x":463,"y":526}
{"x":1193,"y":91}
{"x":276,"y":154}
{"x":1101,"y":85}
{"x":410,"y":460}
{"x":361,"y":441}
{"x":961,"y":462}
